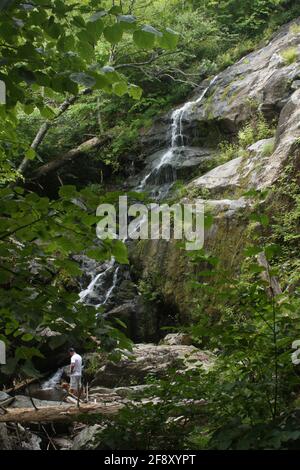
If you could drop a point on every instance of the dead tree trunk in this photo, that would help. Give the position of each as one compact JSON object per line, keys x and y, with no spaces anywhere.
{"x":57,"y":413}
{"x":59,"y":162}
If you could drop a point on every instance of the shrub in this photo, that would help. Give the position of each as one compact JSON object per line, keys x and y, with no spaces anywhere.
{"x":295,"y":29}
{"x":290,"y":55}
{"x":268,"y":149}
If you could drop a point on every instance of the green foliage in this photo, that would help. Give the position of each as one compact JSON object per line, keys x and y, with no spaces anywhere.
{"x":256,"y":129}
{"x":290,"y":55}
{"x":38,"y":240}
{"x":247,"y":394}
{"x":62,"y":48}
{"x":268,"y":149}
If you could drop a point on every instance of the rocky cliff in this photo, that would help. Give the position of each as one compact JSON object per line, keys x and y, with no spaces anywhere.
{"x":265,"y":83}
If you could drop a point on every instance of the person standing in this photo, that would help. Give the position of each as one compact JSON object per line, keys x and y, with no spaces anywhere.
{"x":75,"y":373}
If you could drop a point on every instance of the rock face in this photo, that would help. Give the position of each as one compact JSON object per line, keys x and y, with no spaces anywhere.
{"x":262,"y":77}
{"x":263,"y":81}
{"x":150,"y":359}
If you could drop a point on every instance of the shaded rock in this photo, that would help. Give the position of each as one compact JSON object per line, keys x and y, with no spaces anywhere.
{"x":63,"y":443}
{"x":4,"y":396}
{"x":86,"y":439}
{"x":150,"y":359}
{"x":33,"y":442}
{"x":5,"y":441}
{"x":21,"y":401}
{"x":131,"y":392}
{"x":18,"y":439}
{"x":174,"y":339}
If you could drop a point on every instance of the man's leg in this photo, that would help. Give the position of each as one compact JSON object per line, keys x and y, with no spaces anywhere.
{"x":73,"y":385}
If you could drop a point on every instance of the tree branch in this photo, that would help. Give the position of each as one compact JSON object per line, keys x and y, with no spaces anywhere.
{"x":59,"y":162}
{"x":43,"y":130}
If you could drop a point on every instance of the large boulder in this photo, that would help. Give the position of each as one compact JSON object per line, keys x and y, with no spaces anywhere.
{"x":86,"y":439}
{"x":262,"y":78}
{"x":150,"y":359}
{"x":22,"y":401}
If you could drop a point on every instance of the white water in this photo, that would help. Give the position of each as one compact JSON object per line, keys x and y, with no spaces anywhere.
{"x":53,"y":380}
{"x":177,"y":137}
{"x":97,"y":284}
{"x":98,"y":292}
{"x":113,"y":286}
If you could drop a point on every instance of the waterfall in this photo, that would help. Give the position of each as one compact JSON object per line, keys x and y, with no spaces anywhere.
{"x":102,"y":284}
{"x":177,"y":136}
{"x":163,"y":173}
{"x":53,"y":380}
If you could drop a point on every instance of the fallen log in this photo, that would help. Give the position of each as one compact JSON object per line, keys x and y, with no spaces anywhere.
{"x":58,"y":413}
{"x":68,"y":157}
{"x":20,"y":386}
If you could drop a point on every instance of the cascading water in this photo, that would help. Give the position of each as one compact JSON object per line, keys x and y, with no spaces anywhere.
{"x":102,"y":284}
{"x":104,"y":279}
{"x":177,"y":142}
{"x":53,"y":380}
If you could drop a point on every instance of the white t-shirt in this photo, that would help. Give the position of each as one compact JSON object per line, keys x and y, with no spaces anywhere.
{"x":76,"y":360}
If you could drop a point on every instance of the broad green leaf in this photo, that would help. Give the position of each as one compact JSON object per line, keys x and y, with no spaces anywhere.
{"x":68,"y":191}
{"x":119,"y":251}
{"x":135,"y":92}
{"x":83,"y":79}
{"x":97,"y":16}
{"x":29,"y":369}
{"x":10,"y":366}
{"x":113,"y":33}
{"x":47,"y":112}
{"x":27,"y":337}
{"x":144,"y":39}
{"x":86,"y":51}
{"x":96,"y":29}
{"x":169,"y":39}
{"x":30,"y":154}
{"x":120,"y":88}
{"x":115,"y":10}
{"x":127,"y":22}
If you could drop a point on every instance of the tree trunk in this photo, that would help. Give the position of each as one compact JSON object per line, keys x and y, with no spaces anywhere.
{"x":59,"y":162}
{"x":57,"y":413}
{"x":43,"y":130}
